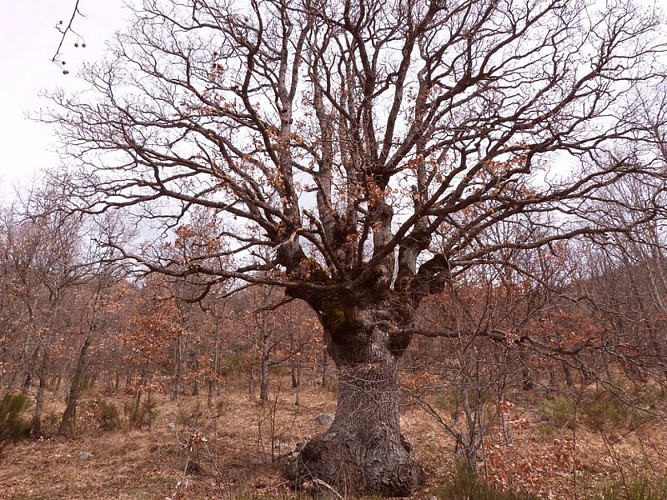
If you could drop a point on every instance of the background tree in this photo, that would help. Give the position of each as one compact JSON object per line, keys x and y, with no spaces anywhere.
{"x":49,"y":264}
{"x":284,"y":334}
{"x":362,"y":154}
{"x":43,"y":253}
{"x":93,"y":320}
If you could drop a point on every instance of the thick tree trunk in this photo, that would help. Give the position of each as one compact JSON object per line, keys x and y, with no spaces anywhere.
{"x":363,"y":452}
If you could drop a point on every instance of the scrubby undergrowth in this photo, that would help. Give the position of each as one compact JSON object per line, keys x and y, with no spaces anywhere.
{"x":236,"y":448}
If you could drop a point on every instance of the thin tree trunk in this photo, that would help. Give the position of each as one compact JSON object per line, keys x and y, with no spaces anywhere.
{"x":325,"y":367}
{"x":178,"y":361}
{"x":214,"y":368}
{"x":36,"y":424}
{"x":296,"y":381}
{"x":67,"y":421}
{"x":295,"y":368}
{"x":30,"y":370}
{"x":251,"y":378}
{"x":295,"y":372}
{"x":264,"y":380}
{"x":27,"y":383}
{"x":264,"y":362}
{"x":209,"y":394}
{"x":527,"y":382}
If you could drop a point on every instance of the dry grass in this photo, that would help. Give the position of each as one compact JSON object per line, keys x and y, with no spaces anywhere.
{"x":238,"y":456}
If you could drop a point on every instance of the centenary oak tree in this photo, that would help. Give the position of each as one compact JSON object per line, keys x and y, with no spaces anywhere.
{"x":360,"y":154}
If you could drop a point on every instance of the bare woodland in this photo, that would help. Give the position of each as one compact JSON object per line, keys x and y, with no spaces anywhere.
{"x":366,"y":192}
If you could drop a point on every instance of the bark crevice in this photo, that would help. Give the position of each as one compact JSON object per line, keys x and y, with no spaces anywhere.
{"x":363,"y":452}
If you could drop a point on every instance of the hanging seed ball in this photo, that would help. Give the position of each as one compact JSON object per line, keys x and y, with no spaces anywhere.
{"x":76,"y":44}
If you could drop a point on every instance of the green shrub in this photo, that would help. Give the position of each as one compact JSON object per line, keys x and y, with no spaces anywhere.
{"x":107,"y":414}
{"x":659,"y":392}
{"x":50,"y":421}
{"x":191,"y":415}
{"x":465,"y":484}
{"x":560,"y":411}
{"x":234,"y":365}
{"x":446,"y":402}
{"x":222,"y":405}
{"x":140,"y":415}
{"x":13,"y":424}
{"x":635,"y":488}
{"x":546,"y":432}
{"x":87,"y":384}
{"x":602,"y":410}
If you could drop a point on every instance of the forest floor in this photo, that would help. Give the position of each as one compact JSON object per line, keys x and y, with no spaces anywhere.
{"x":233,"y":449}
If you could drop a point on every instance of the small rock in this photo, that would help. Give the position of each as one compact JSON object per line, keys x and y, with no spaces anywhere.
{"x":317,"y":382}
{"x":85,"y":455}
{"x":324,"y":419}
{"x":171,"y":426}
{"x":430,"y":435}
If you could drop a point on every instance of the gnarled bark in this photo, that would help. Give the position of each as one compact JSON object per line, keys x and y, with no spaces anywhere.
{"x":363,"y":451}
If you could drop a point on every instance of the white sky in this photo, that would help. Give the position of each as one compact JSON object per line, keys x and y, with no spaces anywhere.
{"x":28,"y":41}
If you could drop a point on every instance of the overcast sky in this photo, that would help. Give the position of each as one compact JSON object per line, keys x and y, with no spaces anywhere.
{"x":28,"y":41}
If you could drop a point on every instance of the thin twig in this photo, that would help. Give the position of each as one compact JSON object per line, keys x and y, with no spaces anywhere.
{"x":65,"y":31}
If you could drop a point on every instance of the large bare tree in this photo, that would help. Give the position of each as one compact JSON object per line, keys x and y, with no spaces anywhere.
{"x":361,"y":153}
